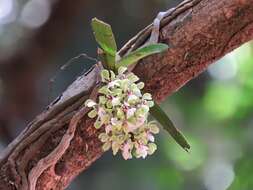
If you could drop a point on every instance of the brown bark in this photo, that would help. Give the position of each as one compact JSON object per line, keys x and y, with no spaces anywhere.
{"x":198,"y":32}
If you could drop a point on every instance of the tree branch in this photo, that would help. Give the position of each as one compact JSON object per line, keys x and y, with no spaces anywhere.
{"x":198,"y":32}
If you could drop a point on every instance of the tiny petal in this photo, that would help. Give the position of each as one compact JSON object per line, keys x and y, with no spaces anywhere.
{"x":114,"y":83}
{"x":126,"y":152}
{"x":102,"y":100}
{"x":120,"y":114}
{"x":137,"y":92}
{"x":109,"y":104}
{"x":97,"y":124}
{"x":108,"y":128}
{"x":114,"y":121}
{"x":132,"y":99}
{"x":104,"y":90}
{"x":130,"y":112}
{"x":140,"y":121}
{"x":151,"y":148}
{"x":142,"y":151}
{"x":142,"y":111}
{"x":147,"y":96}
{"x":101,"y":112}
{"x":105,"y":119}
{"x":117,"y":92}
{"x":115,"y":101}
{"x":140,"y":85}
{"x":90,"y":103}
{"x":154,"y":128}
{"x":115,"y":147}
{"x":122,"y":70}
{"x":124,"y":84}
{"x":103,"y":137}
{"x":150,"y":137}
{"x":126,"y":104}
{"x":92,"y":114}
{"x":105,"y":75}
{"x":150,"y":103}
{"x":132,"y":126}
{"x":132,"y":77}
{"x":106,"y":146}
{"x":112,"y":75}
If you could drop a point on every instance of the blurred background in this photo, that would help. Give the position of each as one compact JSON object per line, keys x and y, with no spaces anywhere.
{"x":214,"y":111}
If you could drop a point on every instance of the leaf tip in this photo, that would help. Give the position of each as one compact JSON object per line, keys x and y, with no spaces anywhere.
{"x":187,"y":149}
{"x":163,"y":46}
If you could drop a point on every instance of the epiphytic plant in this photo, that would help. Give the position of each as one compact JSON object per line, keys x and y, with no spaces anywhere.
{"x":122,"y":107}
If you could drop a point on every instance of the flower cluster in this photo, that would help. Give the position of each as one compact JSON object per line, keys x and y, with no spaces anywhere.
{"x":123,"y":110}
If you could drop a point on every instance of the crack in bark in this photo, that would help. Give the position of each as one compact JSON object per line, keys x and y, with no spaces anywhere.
{"x":234,"y":35}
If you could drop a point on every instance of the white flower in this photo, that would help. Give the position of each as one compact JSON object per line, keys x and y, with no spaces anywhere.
{"x":147,"y":96}
{"x":108,"y":128}
{"x":101,"y":112}
{"x":150,"y":137}
{"x":121,"y":70}
{"x":115,"y":147}
{"x":130,"y":112}
{"x":123,"y":111}
{"x":115,"y":121}
{"x":137,"y":92}
{"x":114,"y":83}
{"x":90,"y":103}
{"x":132,"y":98}
{"x":142,"y":151}
{"x":126,"y":151}
{"x":126,"y":104}
{"x":115,"y":101}
{"x":141,"y":121}
{"x":131,"y":126}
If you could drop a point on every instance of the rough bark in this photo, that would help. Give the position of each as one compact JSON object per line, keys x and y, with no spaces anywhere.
{"x":198,"y":32}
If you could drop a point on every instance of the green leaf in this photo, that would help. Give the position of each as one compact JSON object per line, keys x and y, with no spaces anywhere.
{"x":140,"y":53}
{"x":168,"y":125}
{"x":104,"y":36}
{"x":106,"y":146}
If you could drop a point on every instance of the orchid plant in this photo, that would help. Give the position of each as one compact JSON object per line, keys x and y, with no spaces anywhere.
{"x":122,"y":108}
